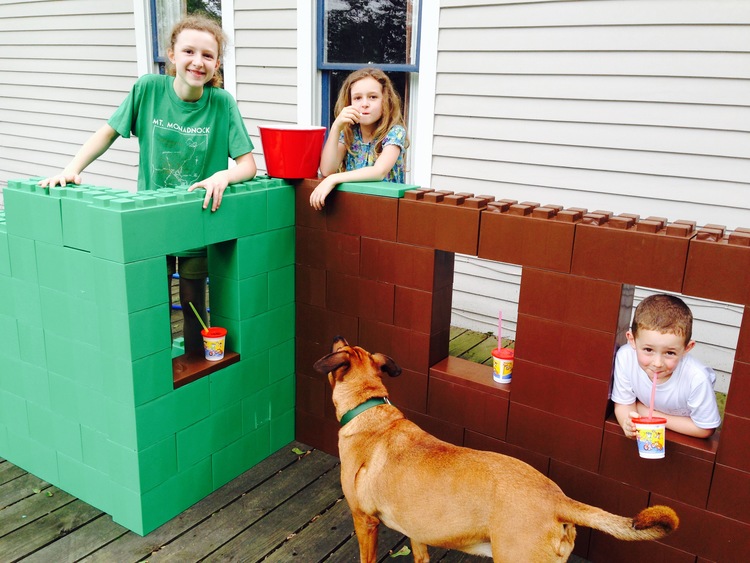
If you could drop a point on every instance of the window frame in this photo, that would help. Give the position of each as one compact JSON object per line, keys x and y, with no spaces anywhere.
{"x":325,"y":68}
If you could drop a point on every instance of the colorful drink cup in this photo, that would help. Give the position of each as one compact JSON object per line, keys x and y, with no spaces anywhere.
{"x":214,"y":339}
{"x":502,"y":364}
{"x":650,"y":434}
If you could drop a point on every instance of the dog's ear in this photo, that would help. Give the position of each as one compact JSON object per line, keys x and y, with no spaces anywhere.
{"x":339,"y":342}
{"x":332,"y":362}
{"x":386,"y":364}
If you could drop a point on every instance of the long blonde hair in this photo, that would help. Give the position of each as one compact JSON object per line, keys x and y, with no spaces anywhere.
{"x":391,"y":106}
{"x":199,"y":22}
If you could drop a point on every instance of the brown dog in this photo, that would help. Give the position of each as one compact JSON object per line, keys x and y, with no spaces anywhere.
{"x":447,"y":496}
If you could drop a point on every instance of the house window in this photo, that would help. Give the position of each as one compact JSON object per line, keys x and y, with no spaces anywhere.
{"x":166,"y":13}
{"x":356,"y":33}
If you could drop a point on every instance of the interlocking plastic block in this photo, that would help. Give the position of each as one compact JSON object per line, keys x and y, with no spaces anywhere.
{"x":734,"y":448}
{"x":738,"y":398}
{"x":463,"y":406}
{"x":573,"y":396}
{"x":422,"y":311}
{"x":384,"y":189}
{"x":603,"y":547}
{"x":23,"y":261}
{"x":198,"y":441}
{"x":305,"y":215}
{"x":32,"y":212}
{"x":560,"y":438}
{"x":27,"y":302}
{"x":125,"y":232}
{"x":442,"y":429}
{"x":448,"y":222}
{"x":620,"y":461}
{"x":464,"y":393}
{"x":4,"y":249}
{"x":364,"y":298}
{"x":406,"y":265}
{"x":310,"y":245}
{"x":252,"y":255}
{"x":307,"y":351}
{"x":742,"y":353}
{"x":321,"y":326}
{"x":718,"y":270}
{"x":479,"y":441}
{"x":596,"y":490}
{"x":135,"y":335}
{"x":565,"y":347}
{"x":574,"y":300}
{"x":310,"y":285}
{"x":416,"y":221}
{"x":408,"y":390}
{"x":317,"y":431}
{"x":312,"y":395}
{"x":281,"y":431}
{"x":526,"y":241}
{"x":708,"y":535}
{"x":280,"y":207}
{"x":239,"y":299}
{"x":242,"y":213}
{"x":730,"y":493}
{"x":57,"y":432}
{"x":266,"y":330}
{"x":173,"y":412}
{"x":411,"y":350}
{"x":362,"y":215}
{"x":233,"y":460}
{"x":628,"y":256}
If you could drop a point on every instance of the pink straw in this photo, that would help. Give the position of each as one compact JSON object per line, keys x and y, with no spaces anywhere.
{"x":653,"y":396}
{"x":499,"y":329}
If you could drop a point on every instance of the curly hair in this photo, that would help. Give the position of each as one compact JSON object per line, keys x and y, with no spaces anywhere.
{"x":665,"y":314}
{"x":391,"y":106}
{"x":199,"y":22}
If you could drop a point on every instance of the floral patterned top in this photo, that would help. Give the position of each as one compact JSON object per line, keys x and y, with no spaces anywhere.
{"x":363,"y":154}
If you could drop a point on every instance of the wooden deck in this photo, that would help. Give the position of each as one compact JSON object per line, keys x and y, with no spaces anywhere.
{"x":289,"y":507}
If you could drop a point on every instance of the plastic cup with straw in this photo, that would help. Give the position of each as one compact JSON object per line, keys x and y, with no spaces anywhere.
{"x":651,"y":432}
{"x":213,"y":338}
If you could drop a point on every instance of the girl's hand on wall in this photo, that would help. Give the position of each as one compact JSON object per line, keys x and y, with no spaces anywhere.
{"x":60,"y":180}
{"x":214,"y":186}
{"x":319,"y":194}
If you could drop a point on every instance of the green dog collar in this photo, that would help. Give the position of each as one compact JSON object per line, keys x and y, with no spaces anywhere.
{"x":363,"y":407}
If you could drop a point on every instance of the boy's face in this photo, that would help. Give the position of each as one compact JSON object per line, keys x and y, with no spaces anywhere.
{"x":659,"y":353}
{"x":195,"y":57}
{"x":367,"y":99}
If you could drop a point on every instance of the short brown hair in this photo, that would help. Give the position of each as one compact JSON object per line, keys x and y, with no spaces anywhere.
{"x":199,"y":22}
{"x":665,"y":314}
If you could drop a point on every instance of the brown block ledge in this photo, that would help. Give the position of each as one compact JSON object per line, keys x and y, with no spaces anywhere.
{"x":186,"y":369}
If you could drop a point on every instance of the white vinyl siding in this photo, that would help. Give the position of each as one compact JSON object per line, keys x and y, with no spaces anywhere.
{"x":266,"y":61}
{"x":66,"y":67}
{"x":624,"y":105}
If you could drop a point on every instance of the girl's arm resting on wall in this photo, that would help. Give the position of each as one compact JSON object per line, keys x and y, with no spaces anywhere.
{"x":377,"y":171}
{"x":332,"y":155}
{"x":218,"y":182}
{"x":681,"y":424}
{"x":92,"y":149}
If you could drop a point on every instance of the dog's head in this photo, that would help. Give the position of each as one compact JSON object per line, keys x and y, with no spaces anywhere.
{"x":347,"y":362}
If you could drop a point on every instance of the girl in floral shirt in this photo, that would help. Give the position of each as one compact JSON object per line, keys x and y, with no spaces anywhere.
{"x":368,"y":138}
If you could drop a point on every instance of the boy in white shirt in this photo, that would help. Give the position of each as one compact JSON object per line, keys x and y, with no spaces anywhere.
{"x":659,"y":343}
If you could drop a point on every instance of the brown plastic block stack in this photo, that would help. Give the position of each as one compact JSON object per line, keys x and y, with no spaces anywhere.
{"x":464,"y":393}
{"x":390,"y":291}
{"x":684,"y":473}
{"x":516,"y":236}
{"x":613,"y":248}
{"x":718,"y":267}
{"x":441,"y":220}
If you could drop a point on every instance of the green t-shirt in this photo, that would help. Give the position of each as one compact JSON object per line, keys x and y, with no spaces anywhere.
{"x":180,"y":142}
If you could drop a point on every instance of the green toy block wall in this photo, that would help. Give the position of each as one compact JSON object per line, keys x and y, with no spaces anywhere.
{"x":87,"y":399}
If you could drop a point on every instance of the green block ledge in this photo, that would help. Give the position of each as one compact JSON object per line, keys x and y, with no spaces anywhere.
{"x":386,"y":189}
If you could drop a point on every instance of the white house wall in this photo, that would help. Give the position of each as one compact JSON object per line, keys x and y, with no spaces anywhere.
{"x":628,"y":106}
{"x":66,"y":67}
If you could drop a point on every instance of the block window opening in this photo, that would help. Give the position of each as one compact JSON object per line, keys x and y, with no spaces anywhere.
{"x":716,"y":327}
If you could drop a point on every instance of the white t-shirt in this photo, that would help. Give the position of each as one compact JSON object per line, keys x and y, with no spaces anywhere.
{"x":689,"y":392}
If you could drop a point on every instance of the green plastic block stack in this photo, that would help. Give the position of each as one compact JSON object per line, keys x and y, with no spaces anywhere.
{"x":87,"y":400}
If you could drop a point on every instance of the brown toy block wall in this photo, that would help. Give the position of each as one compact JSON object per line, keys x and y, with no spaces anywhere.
{"x":379,"y":271}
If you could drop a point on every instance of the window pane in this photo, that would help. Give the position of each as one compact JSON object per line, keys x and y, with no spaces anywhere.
{"x":369,"y":31}
{"x":166,"y":14}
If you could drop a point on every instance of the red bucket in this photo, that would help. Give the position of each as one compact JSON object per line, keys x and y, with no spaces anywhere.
{"x":292,"y":151}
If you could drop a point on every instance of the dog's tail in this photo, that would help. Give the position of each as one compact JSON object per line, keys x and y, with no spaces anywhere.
{"x":651,"y":523}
